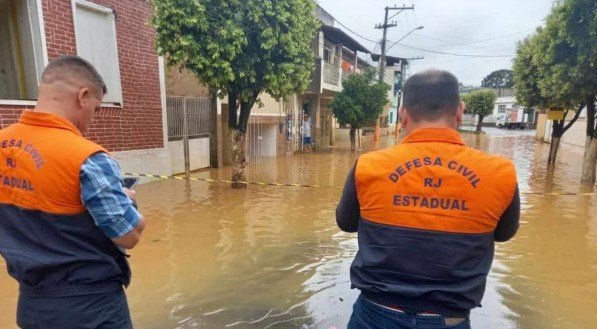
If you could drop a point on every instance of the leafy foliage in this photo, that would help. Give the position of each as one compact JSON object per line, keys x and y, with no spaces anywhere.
{"x":480,"y":102}
{"x":243,"y":47}
{"x":527,"y":76}
{"x":498,"y":80}
{"x":362,"y":100}
{"x":566,"y":53}
{"x":557,"y":66}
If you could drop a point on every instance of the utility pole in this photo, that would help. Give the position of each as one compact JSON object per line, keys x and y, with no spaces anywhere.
{"x":385,"y":26}
{"x":382,"y":61}
{"x":403,"y":65}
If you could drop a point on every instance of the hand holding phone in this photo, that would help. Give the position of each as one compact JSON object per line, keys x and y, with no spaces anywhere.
{"x":130,"y":182}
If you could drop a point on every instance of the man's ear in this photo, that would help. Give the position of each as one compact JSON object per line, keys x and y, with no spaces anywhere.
{"x":460,"y":113}
{"x":83,"y":97}
{"x":404,"y":117}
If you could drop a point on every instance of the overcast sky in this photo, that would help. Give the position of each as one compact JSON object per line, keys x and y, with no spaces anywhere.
{"x":450,"y":26}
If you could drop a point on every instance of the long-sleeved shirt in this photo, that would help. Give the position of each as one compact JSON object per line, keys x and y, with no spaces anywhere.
{"x":103,"y":195}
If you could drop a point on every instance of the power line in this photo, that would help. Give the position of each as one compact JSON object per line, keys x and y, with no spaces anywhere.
{"x":454,"y":54}
{"x":353,"y":32}
{"x":472,"y":42}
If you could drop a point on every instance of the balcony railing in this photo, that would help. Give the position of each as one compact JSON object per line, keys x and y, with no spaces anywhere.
{"x":331,"y":74}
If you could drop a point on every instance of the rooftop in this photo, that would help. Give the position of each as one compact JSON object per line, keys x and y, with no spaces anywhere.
{"x":337,"y":36}
{"x":390,"y":60}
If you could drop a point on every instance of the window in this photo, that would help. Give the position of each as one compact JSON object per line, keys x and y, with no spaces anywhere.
{"x":326,"y":55}
{"x":502,"y":108}
{"x":22,"y":59}
{"x":95,"y":31}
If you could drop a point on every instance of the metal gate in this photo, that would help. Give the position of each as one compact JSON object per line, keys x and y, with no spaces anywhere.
{"x":188,"y":118}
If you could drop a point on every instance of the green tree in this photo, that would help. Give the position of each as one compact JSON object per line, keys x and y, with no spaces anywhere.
{"x":242,"y":48}
{"x":499,"y":79}
{"x":564,"y":61}
{"x":481,"y":103}
{"x":361,"y":101}
{"x":527,"y":76}
{"x":569,"y":57}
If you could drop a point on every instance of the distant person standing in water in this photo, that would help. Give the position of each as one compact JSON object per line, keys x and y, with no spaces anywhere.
{"x":65,"y":218}
{"x":427,"y":213}
{"x":306,"y":133}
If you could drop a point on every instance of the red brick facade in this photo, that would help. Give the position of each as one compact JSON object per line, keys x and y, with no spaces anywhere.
{"x":138,"y":124}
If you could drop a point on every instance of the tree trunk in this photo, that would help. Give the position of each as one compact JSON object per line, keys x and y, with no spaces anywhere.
{"x":589,"y":167}
{"x":238,"y":135}
{"x":556,"y":135}
{"x":353,"y":131}
{"x":238,"y":141}
{"x":479,"y":124}
{"x":215,"y":152}
{"x":553,"y":152}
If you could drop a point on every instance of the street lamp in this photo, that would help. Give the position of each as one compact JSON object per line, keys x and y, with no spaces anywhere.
{"x":406,"y":35}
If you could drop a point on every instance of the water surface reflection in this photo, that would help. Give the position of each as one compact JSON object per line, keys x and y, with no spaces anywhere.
{"x":272,"y":257}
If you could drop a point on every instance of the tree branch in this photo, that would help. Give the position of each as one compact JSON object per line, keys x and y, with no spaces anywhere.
{"x":576,"y":115}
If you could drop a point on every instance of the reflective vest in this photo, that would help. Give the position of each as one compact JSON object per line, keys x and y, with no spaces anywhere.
{"x":429,"y":207}
{"x":50,"y":242}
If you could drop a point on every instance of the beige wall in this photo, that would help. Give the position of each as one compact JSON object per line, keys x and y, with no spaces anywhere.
{"x":184,"y":83}
{"x":577,"y":134}
{"x":270,"y":106}
{"x":540,"y":132}
{"x":198,"y":153}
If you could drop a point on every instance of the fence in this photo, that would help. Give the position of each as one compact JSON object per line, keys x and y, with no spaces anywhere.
{"x":188,"y":117}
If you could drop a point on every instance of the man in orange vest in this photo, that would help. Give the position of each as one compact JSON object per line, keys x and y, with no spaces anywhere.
{"x":65,"y":218}
{"x":427,"y":213}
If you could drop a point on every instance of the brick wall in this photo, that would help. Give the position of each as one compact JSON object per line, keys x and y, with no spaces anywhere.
{"x":138,"y":124}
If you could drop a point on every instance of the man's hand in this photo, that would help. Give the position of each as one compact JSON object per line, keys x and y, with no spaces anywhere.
{"x":131,"y":194}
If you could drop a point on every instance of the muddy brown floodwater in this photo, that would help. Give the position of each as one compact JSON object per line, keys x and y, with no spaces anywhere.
{"x":272,"y":257}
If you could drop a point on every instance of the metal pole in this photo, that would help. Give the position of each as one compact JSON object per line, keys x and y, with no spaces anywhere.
{"x":382,"y":61}
{"x":185,"y":140}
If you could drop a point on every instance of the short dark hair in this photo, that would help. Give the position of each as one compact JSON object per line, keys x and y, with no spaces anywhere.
{"x":431,"y":94}
{"x":73,"y":67}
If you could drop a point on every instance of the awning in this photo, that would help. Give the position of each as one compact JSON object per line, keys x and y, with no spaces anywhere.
{"x":337,"y":36}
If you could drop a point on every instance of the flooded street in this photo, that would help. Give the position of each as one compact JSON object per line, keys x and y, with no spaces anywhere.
{"x":272,"y":257}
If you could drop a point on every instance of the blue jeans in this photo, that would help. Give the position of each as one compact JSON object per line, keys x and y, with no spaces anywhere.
{"x":367,"y":315}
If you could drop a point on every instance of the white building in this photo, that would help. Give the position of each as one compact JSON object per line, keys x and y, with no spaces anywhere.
{"x":505,"y":101}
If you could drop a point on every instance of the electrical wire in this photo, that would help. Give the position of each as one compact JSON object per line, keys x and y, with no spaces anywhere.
{"x":471,"y":42}
{"x":353,"y":32}
{"x":454,"y":54}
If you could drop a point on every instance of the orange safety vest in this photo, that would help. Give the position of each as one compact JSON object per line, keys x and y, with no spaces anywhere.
{"x":49,"y":240}
{"x":429,"y":207}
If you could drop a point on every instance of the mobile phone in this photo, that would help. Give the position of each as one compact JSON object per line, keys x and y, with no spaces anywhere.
{"x":130,"y":182}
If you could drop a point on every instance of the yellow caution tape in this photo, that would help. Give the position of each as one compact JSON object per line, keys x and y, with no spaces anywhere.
{"x":313,"y":186}
{"x":227,"y":181}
